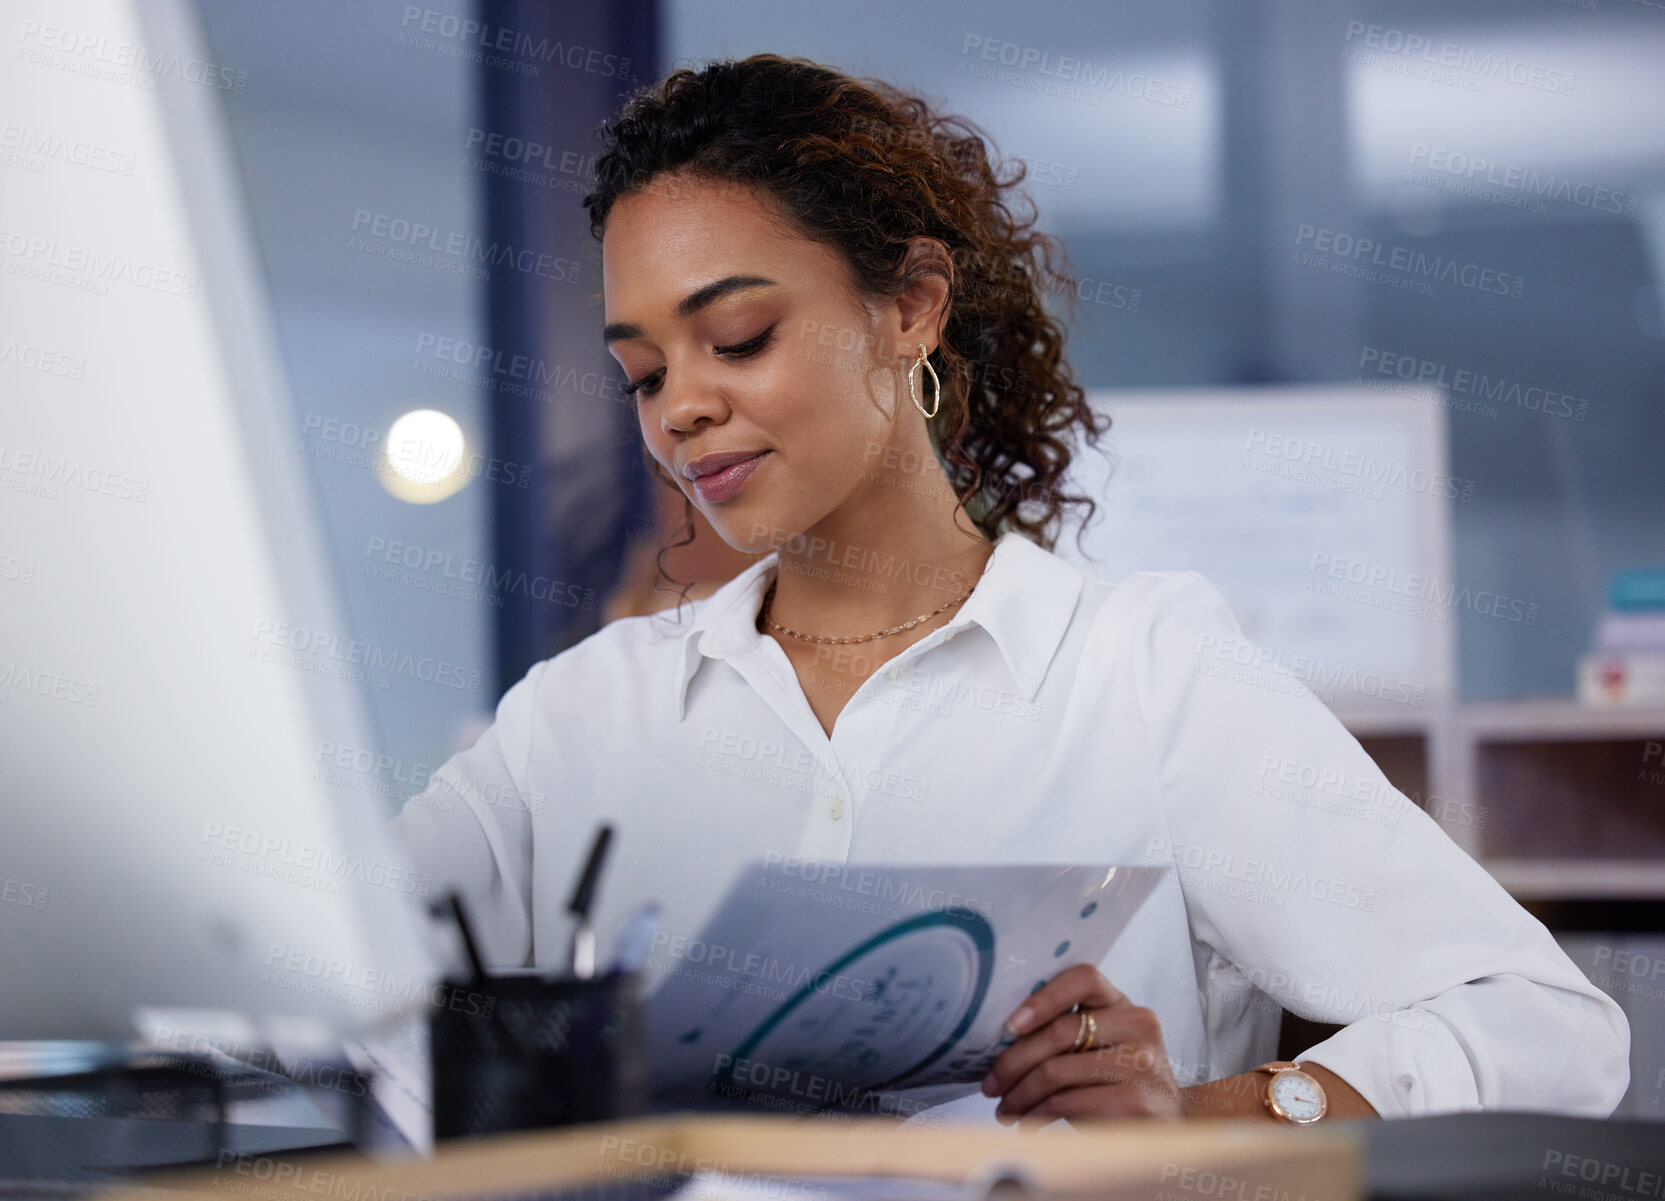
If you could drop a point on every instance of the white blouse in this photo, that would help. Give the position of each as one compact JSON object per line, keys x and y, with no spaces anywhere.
{"x":1055,"y":719}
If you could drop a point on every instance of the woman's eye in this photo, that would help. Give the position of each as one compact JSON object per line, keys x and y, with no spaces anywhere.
{"x":649,"y":384}
{"x":641,"y":388}
{"x":750,"y":347}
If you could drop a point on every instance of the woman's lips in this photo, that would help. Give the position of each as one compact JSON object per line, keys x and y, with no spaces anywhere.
{"x":722,"y":485}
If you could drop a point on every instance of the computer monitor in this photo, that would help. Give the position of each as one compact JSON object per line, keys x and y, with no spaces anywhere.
{"x":177,"y":675}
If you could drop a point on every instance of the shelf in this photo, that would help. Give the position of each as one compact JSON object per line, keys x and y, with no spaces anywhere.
{"x":1543,"y":720}
{"x":1558,"y":720}
{"x":1573,"y":796}
{"x":1391,"y":721}
{"x":1612,"y":879}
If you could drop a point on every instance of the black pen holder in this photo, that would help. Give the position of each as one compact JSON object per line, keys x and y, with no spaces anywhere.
{"x":524,"y":1053}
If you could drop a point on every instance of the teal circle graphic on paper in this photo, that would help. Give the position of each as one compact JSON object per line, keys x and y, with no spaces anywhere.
{"x":968,"y":922}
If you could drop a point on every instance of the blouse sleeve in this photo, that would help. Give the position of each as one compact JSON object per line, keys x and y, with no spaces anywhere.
{"x":1332,"y":892}
{"x":471,"y":828}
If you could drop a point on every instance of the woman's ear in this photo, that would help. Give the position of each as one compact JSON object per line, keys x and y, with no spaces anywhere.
{"x":922,"y":307}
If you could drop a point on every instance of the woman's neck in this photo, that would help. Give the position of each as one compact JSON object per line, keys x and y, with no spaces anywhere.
{"x":898,"y":549}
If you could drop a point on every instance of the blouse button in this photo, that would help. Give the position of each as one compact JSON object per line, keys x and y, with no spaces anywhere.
{"x":836,"y":809}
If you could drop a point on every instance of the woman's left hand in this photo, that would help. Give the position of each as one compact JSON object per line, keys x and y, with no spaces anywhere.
{"x":1123,"y":1073}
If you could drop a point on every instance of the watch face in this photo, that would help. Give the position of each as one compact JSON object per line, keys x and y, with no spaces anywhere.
{"x":1298,"y":1095}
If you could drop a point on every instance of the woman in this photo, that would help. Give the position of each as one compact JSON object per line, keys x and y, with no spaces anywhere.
{"x":832,"y":329}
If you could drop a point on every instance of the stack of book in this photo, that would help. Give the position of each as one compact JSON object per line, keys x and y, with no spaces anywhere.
{"x":1626,"y":664}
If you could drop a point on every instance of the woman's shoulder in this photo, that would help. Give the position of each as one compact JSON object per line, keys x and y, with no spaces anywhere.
{"x":1153,"y":628}
{"x":627,"y":654}
{"x":1169,"y":598}
{"x":1109,"y":599}
{"x":638,"y":640}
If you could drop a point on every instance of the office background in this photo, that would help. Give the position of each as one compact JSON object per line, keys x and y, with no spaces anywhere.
{"x":1253,"y":125}
{"x":1192,"y":186}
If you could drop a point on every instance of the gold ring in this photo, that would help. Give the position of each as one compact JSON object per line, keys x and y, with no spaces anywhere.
{"x":1092,"y":1032}
{"x":1080,"y":1033}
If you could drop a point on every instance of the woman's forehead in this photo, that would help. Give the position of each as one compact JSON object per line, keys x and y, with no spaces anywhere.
{"x":659,"y":245}
{"x":681,"y":215}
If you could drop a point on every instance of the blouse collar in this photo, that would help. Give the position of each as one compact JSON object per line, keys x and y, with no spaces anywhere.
{"x":1024,"y":602}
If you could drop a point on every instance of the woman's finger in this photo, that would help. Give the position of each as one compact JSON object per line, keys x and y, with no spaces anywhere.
{"x":1082,"y":985}
{"x":1059,"y":1072}
{"x":1121,"y":1033}
{"x":1042,"y":1043}
{"x":1058,"y":1036}
{"x":1095,"y":1103}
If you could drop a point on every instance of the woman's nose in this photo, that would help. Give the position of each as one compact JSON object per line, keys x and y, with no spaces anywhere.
{"x":689,"y":400}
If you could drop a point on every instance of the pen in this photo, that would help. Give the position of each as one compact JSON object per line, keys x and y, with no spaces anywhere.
{"x":470,"y":947}
{"x":582,"y":959}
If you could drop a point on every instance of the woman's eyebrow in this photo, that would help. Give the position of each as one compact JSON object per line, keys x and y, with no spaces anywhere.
{"x":692,"y":303}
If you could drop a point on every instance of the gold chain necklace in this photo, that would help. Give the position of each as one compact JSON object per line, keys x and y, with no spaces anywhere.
{"x":769,"y":600}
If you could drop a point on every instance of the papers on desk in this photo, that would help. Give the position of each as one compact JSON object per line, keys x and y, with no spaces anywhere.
{"x":830,"y":987}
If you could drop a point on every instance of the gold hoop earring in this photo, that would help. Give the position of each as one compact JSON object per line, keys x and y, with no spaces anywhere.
{"x":936,"y":400}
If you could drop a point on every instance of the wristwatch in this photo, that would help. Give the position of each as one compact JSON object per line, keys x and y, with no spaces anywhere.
{"x":1292,"y":1095}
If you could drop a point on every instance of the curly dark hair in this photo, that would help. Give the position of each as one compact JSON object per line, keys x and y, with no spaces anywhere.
{"x":863,"y":167}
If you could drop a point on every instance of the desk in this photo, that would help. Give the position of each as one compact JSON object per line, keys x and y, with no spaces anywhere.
{"x":794,"y":1158}
{"x":1477,"y":1157}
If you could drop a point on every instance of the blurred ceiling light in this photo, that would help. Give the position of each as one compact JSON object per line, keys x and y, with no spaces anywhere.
{"x":422,"y":461}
